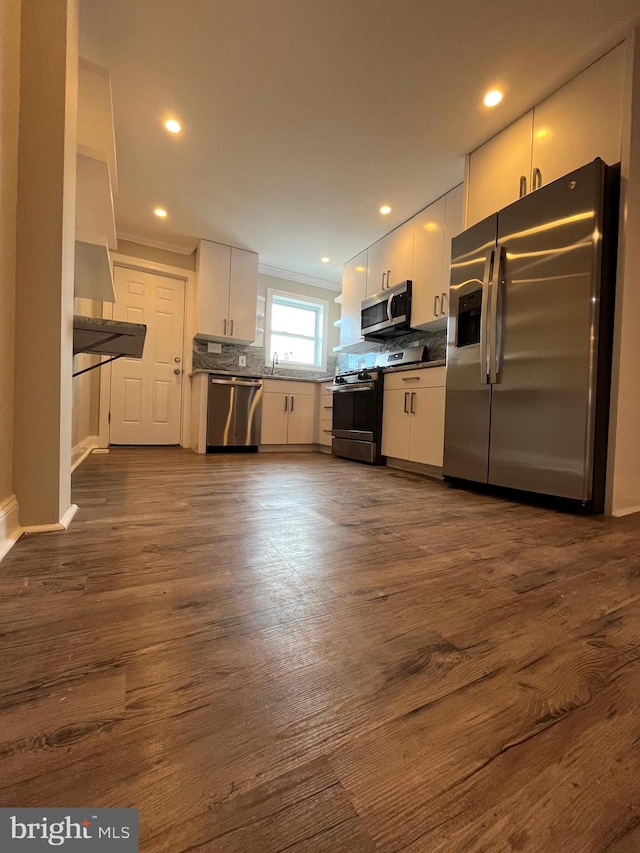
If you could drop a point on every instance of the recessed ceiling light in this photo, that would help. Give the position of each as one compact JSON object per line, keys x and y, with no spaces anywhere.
{"x":385,"y":209}
{"x":492,"y":98}
{"x":172,"y":125}
{"x":325,"y":260}
{"x":161,"y":212}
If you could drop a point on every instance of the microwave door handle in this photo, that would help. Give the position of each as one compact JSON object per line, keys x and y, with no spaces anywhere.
{"x":494,"y":298}
{"x":389,"y":304}
{"x":484,"y":311}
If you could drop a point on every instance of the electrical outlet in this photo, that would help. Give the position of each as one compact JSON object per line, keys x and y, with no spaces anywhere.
{"x":242,"y":361}
{"x":216,"y":348}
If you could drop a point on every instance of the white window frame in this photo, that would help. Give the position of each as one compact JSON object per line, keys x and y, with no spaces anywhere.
{"x":324,"y":332}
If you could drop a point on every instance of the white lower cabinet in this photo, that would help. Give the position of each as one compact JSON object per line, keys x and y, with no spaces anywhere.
{"x":325,"y":416}
{"x":413,"y":416}
{"x":288,"y":412}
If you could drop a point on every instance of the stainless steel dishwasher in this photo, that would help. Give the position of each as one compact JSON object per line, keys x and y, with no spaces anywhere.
{"x":234,"y":408}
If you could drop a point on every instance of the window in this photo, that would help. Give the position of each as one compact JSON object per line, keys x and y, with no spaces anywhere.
{"x":297,"y":330}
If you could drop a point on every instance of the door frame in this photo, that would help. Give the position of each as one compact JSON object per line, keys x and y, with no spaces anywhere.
{"x":189,"y":331}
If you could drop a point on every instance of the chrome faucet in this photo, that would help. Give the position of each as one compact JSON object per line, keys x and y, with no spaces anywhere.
{"x":274,"y":361}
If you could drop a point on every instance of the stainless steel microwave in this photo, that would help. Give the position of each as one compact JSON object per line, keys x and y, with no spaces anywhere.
{"x":386,"y":314}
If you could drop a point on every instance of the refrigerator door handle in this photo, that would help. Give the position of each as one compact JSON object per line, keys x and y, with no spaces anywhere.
{"x":494,"y":298}
{"x":484,"y":310}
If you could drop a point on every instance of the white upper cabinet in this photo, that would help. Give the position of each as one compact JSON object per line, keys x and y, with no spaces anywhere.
{"x":391,"y":259}
{"x":499,"y":170}
{"x":96,"y":184}
{"x":427,"y":310}
{"x":354,"y":290}
{"x":453,"y":225}
{"x":227,"y":292}
{"x":579,"y":122}
{"x":96,"y":179}
{"x":243,"y":295}
{"x":434,"y":228}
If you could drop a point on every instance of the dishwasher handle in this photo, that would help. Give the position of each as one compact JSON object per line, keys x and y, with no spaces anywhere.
{"x":231,"y":381}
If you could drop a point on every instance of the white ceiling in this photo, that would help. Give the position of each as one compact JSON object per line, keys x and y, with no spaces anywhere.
{"x":301,"y":117}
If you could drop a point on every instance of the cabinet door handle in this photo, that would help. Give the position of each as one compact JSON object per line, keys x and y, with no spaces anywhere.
{"x":413,"y":402}
{"x":383,"y":281}
{"x":388,"y":278}
{"x":536,"y":179}
{"x":292,"y":404}
{"x":436,"y":307}
{"x":225,"y":327}
{"x":445,"y":308}
{"x":286,"y":403}
{"x":231,"y":329}
{"x":523,"y":186}
{"x":406,"y":402}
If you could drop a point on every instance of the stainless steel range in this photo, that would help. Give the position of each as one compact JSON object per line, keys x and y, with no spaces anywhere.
{"x":357,"y":406}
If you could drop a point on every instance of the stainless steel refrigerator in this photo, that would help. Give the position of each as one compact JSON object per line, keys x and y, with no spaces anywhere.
{"x":529,"y":341}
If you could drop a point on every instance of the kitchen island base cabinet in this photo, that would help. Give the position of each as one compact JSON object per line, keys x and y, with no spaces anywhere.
{"x":288,"y":413}
{"x":413,"y":417}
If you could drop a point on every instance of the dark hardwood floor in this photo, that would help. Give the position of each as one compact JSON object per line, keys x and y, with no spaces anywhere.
{"x":294,"y":652}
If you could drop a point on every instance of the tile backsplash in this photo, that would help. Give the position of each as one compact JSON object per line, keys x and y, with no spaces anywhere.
{"x":228,"y":360}
{"x":435,"y":342}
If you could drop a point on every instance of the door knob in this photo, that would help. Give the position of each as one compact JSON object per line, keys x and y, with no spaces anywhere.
{"x":177,"y":360}
{"x":177,"y":371}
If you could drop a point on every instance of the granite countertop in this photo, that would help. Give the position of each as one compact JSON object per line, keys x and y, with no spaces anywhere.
{"x":437,"y":363}
{"x":258,"y":375}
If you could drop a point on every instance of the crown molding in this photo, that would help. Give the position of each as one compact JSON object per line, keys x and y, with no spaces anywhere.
{"x":289,"y":275}
{"x":156,"y":244}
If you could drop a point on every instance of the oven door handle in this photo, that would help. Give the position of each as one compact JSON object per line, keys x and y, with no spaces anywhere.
{"x":366,"y":386}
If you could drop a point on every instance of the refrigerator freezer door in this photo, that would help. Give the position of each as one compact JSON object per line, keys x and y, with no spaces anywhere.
{"x":542,"y":416}
{"x":468,"y":400}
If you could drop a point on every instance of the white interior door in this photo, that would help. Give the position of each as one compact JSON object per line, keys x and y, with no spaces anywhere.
{"x":146,"y":393}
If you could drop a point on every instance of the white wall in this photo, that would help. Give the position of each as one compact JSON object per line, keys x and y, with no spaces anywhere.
{"x":140,"y":252}
{"x":623,"y":492}
{"x":45,"y":242}
{"x":86,"y":388}
{"x":9,"y":100}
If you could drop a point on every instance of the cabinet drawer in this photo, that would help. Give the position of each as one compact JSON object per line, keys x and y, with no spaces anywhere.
{"x":324,"y":436}
{"x":405,"y":380}
{"x":288,"y":386}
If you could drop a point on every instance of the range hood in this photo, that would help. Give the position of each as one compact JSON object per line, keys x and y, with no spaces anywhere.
{"x":116,"y":338}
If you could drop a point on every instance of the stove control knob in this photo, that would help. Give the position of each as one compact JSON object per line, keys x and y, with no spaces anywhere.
{"x":340,"y":380}
{"x":363,"y":376}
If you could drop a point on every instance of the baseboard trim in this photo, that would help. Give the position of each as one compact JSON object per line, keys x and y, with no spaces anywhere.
{"x":63,"y":524}
{"x":630,"y":510}
{"x":415,"y":467}
{"x":10,"y":530}
{"x":82,"y":450}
